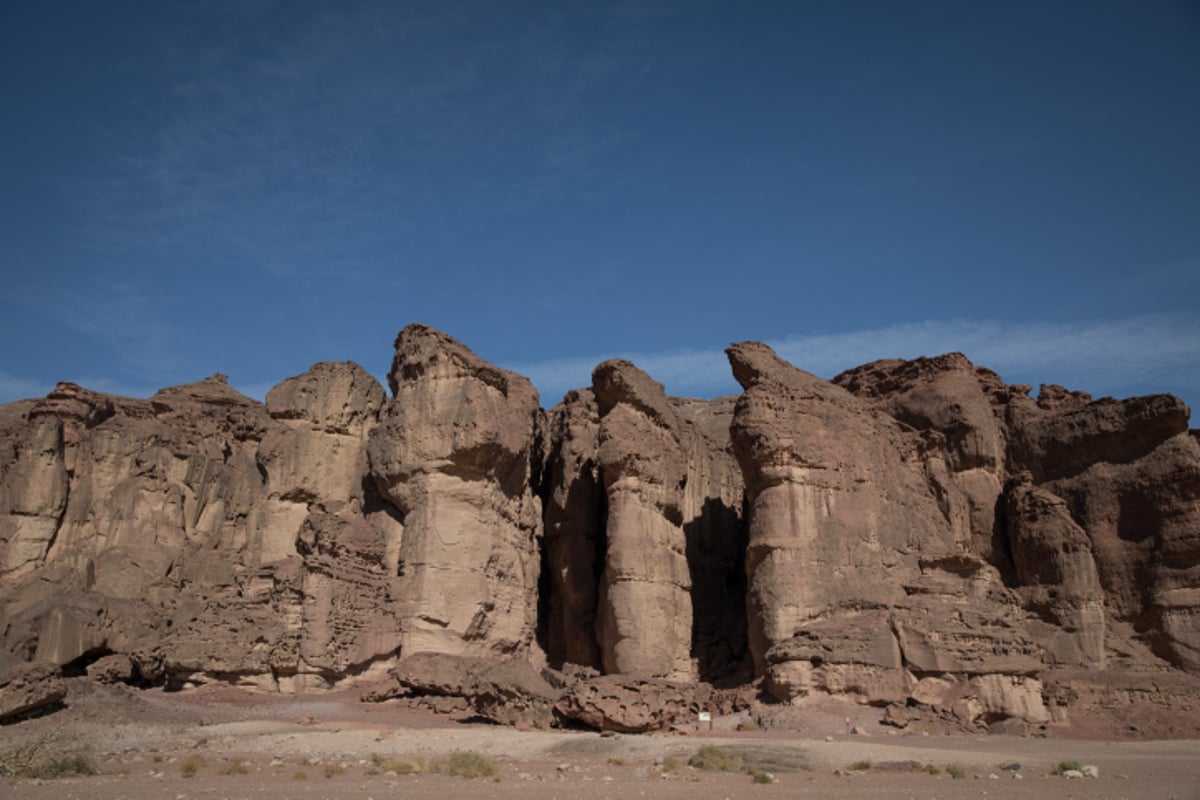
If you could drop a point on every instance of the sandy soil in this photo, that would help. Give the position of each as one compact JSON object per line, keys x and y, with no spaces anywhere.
{"x":322,"y":747}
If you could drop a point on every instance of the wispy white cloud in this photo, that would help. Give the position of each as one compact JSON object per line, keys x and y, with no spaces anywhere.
{"x":1102,"y":357}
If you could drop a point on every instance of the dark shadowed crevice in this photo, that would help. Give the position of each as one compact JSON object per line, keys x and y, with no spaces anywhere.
{"x":573,"y":549}
{"x":716,"y":556}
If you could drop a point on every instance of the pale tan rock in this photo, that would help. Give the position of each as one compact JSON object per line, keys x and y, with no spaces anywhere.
{"x":318,"y":452}
{"x":1009,"y":696}
{"x":33,"y":494}
{"x":645,"y":609}
{"x":452,"y":454}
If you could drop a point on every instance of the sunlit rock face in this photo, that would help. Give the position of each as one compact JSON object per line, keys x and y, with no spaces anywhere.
{"x":453,"y":456}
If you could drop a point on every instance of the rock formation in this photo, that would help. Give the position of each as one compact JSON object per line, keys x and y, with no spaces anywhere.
{"x":912,"y":534}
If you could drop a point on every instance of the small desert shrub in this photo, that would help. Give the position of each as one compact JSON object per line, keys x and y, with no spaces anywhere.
{"x":45,"y":756}
{"x":299,"y":775}
{"x":930,"y":768}
{"x":617,"y":762}
{"x":191,"y":765}
{"x":671,"y":764}
{"x":859,"y":766}
{"x":712,"y":758}
{"x":472,"y":765}
{"x":1066,"y":766}
{"x":760,"y":776}
{"x":334,"y":769}
{"x":401,"y":765}
{"x":459,"y":764}
{"x":955,"y":770}
{"x":234,"y":767}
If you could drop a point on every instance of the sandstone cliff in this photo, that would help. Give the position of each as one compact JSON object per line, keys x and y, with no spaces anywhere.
{"x":914,"y":533}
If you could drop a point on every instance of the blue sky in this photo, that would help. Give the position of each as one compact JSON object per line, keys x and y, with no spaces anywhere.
{"x":250,"y":187}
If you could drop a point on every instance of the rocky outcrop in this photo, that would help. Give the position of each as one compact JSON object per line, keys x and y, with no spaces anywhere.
{"x":506,"y":691}
{"x":177,"y":540}
{"x":27,"y":688}
{"x":916,"y":535}
{"x":633,"y":705}
{"x":453,"y":456}
{"x":644,"y":541}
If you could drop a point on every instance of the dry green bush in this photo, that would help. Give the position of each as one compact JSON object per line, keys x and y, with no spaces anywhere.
{"x":459,"y":764}
{"x":760,"y":776}
{"x":46,"y":756}
{"x":191,"y":765}
{"x":471,"y":765}
{"x":401,"y":765}
{"x":234,"y":767}
{"x":712,"y":758}
{"x":671,"y":764}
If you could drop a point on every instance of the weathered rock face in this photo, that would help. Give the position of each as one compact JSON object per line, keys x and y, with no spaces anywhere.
{"x":453,"y":455}
{"x":645,"y":618}
{"x":839,"y":513}
{"x":184,"y":533}
{"x":931,"y":521}
{"x":913,"y":534}
{"x":1088,"y":508}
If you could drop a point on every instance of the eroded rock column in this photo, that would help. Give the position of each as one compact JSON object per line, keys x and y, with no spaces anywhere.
{"x":645,"y":618}
{"x":452,"y":454}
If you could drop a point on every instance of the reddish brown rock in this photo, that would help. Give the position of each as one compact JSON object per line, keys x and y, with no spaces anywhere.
{"x":506,"y":691}
{"x":631,"y":705}
{"x":30,"y":687}
{"x":839,"y":512}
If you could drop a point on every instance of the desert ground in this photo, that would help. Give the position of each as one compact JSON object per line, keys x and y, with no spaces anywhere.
{"x":222,"y":742}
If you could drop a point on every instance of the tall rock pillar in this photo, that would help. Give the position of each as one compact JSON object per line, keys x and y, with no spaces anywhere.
{"x":453,"y":454}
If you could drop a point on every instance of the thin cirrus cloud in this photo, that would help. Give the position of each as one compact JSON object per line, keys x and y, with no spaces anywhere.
{"x":1138,"y":354}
